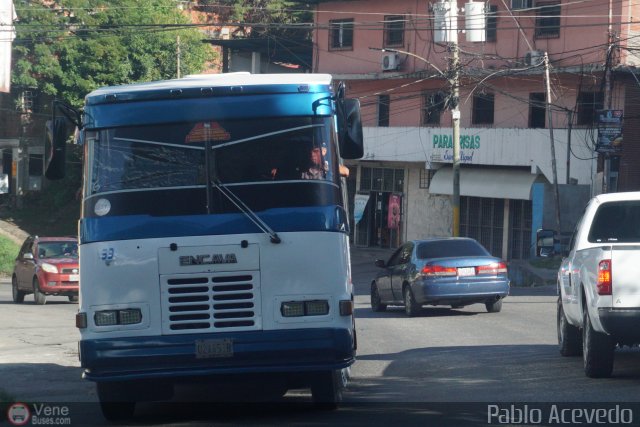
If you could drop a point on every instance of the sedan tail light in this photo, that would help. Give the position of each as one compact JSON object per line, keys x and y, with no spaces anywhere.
{"x":603,"y":286}
{"x":439,"y":270}
{"x":493,"y":269}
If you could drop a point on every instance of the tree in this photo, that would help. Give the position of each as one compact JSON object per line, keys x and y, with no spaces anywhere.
{"x":263,"y":18}
{"x":68,"y":48}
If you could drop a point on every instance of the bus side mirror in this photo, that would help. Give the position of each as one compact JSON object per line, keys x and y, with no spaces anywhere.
{"x":55,"y":148}
{"x":545,"y":243}
{"x":350,"y":129}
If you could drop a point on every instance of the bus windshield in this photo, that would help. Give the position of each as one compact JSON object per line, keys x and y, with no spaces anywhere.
{"x":241,"y":152}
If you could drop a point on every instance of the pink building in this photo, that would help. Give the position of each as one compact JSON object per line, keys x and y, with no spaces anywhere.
{"x":388,"y":55}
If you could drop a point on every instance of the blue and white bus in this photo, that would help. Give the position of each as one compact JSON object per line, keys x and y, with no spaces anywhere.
{"x":214,"y":235}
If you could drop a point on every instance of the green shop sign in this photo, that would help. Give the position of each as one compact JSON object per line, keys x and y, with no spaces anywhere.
{"x":469,"y":142}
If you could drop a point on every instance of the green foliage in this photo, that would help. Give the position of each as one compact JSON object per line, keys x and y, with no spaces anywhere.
{"x":68,"y":48}
{"x":280,"y":18}
{"x":8,"y":252}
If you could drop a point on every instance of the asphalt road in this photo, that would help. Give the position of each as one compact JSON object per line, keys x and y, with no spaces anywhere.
{"x":445,"y":367}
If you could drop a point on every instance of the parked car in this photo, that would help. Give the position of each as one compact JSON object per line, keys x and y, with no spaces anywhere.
{"x":455,"y":271}
{"x":46,"y":266}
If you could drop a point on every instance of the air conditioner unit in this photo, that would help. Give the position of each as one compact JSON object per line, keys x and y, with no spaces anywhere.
{"x":521,"y":4}
{"x":533,"y":58}
{"x":390,"y":61}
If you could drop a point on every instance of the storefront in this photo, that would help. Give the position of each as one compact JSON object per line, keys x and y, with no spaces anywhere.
{"x":378,"y":207}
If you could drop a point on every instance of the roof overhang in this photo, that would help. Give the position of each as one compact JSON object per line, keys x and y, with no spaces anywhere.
{"x":490,"y":183}
{"x":299,"y":52}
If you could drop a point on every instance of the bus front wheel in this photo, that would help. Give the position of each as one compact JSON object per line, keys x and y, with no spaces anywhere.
{"x":113,"y":403}
{"x":326,"y":389}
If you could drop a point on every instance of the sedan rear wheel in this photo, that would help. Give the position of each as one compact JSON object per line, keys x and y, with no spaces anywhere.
{"x":38,"y":296}
{"x":18,"y":295}
{"x":411,"y":307}
{"x":376,"y":301}
{"x":493,"y":306}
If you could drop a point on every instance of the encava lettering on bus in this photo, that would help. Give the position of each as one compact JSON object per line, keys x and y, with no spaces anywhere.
{"x":208,"y":259}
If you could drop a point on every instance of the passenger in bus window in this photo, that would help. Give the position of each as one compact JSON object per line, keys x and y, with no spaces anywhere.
{"x":318,"y":166}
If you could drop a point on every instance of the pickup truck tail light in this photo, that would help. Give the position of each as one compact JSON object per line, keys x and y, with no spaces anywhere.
{"x":604,"y":277}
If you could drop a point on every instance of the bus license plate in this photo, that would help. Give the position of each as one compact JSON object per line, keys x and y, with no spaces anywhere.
{"x":466,"y":271}
{"x":214,"y":348}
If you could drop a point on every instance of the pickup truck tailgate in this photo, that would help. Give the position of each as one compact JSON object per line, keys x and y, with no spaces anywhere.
{"x":625,"y":274}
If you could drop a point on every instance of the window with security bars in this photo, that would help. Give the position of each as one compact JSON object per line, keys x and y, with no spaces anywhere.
{"x":394,"y":31}
{"x":383,"y":110}
{"x":483,"y":109}
{"x":382,"y":179}
{"x":491,"y":26}
{"x":537,"y":110}
{"x":482,"y":219}
{"x":520,"y":229}
{"x":547,"y":20}
{"x":425,"y":177}
{"x":588,"y":104}
{"x":341,"y":34}
{"x":432,"y":107}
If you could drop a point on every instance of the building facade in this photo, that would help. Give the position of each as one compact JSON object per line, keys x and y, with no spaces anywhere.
{"x":391,"y":58}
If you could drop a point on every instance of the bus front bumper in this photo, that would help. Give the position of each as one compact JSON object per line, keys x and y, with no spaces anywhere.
{"x":167,"y":356}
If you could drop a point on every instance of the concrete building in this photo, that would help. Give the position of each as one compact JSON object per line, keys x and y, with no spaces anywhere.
{"x":389,"y":56}
{"x":13,"y":170}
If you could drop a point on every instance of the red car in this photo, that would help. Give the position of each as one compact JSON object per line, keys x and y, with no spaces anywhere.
{"x":46,"y":266}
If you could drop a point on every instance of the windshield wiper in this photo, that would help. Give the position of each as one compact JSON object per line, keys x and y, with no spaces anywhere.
{"x":237,"y":202}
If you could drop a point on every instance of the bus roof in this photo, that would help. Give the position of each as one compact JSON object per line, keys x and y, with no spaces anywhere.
{"x":228,"y":83}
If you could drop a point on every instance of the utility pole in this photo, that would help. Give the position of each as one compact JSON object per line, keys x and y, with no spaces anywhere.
{"x":455,"y":114}
{"x":553,"y":145}
{"x":569,"y":128}
{"x":607,"y":95}
{"x":178,"y":56}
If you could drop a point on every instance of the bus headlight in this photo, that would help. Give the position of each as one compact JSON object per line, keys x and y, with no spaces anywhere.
{"x":106,"y":318}
{"x":129,"y":316}
{"x":292,"y":309}
{"x":304,"y":308}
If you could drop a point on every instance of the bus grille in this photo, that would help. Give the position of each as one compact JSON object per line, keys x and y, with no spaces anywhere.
{"x":212,"y":302}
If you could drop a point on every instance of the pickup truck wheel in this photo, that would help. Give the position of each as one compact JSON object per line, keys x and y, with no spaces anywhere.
{"x":376,"y":302}
{"x":411,"y":307}
{"x":597,"y":350}
{"x":569,"y":339}
{"x":17,"y":294}
{"x":38,"y":297}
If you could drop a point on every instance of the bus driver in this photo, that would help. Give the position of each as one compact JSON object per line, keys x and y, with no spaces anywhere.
{"x":318,"y":167}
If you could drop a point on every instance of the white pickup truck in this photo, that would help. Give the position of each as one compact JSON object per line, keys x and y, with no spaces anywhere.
{"x":599,"y":283}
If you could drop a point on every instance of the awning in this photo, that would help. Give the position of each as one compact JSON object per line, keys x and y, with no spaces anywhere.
{"x":492,"y":183}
